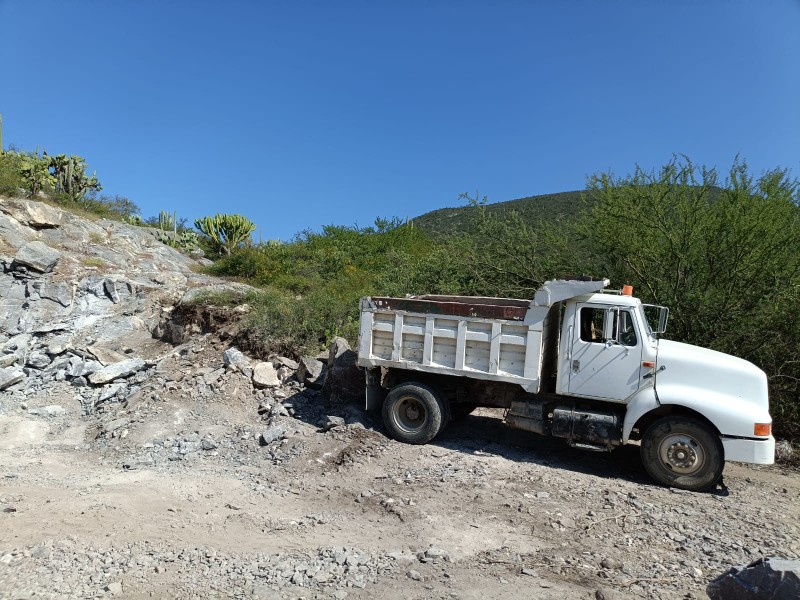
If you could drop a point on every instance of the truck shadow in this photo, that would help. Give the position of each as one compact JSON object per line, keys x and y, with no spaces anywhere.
{"x":487,"y":434}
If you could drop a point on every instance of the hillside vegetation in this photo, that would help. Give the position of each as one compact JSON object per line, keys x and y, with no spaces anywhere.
{"x":552,"y":208}
{"x":723,"y":252}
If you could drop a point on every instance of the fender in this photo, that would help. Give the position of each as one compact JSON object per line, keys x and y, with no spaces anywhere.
{"x":640,"y":404}
{"x":732,"y":416}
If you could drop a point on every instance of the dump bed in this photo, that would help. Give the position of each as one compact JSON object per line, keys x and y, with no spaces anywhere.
{"x":495,"y":339}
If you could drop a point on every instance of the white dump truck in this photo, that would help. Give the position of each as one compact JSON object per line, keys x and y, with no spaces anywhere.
{"x":576,"y":362}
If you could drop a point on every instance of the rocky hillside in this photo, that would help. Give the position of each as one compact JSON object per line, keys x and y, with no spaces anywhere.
{"x":83,"y":300}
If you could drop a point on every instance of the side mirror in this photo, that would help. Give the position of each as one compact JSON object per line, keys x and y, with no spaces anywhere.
{"x":663,"y":315}
{"x":610,"y":325}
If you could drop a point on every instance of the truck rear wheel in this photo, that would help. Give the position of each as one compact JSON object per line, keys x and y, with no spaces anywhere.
{"x":682,"y":452}
{"x":414,"y":413}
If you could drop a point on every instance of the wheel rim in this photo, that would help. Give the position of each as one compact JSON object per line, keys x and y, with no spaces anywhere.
{"x":682,"y":453}
{"x":410,"y":414}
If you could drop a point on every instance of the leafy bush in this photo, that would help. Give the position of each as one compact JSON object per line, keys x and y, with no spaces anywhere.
{"x":724,"y":256}
{"x":10,"y":176}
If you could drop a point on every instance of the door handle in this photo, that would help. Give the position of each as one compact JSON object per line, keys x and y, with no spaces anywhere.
{"x":653,"y":373}
{"x":576,"y":366}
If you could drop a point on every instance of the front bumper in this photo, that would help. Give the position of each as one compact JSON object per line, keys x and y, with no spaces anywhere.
{"x":760,"y":452}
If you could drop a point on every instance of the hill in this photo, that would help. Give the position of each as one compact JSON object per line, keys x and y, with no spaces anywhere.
{"x":546,"y":207}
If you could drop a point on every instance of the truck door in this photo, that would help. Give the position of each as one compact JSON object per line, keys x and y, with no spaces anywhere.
{"x":606,"y":352}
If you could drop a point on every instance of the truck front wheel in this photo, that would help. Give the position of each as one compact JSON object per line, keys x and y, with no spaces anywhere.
{"x":413,"y":413}
{"x":682,"y":452}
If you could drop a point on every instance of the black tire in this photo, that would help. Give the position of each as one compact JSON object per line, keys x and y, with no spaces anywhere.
{"x":682,"y":452}
{"x":461,"y":410}
{"x":414,"y":413}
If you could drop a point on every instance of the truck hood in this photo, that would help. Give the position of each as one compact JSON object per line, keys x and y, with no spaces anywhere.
{"x":721,"y":376}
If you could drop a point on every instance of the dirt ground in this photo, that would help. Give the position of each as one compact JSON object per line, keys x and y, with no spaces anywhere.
{"x":184,"y":500}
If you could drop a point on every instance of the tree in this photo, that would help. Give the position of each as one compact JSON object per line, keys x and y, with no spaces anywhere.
{"x":724,"y":256}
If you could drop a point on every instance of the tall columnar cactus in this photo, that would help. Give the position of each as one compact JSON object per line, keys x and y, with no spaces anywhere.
{"x":70,"y":176}
{"x":228,"y":232}
{"x":166,"y":221}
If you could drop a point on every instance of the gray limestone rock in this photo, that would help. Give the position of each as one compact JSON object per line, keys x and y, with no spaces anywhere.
{"x":287,"y":362}
{"x":106,"y":356}
{"x":236,"y":361}
{"x":110,"y":391}
{"x":110,"y":288}
{"x":265,"y":375}
{"x":345,"y":379}
{"x":79,"y":367}
{"x":764,"y":579}
{"x":116,"y":371}
{"x":6,"y":360}
{"x":274,"y":433}
{"x":311,"y":372}
{"x":60,"y":292}
{"x":208,"y":443}
{"x":37,"y":256}
{"x":10,"y":376}
{"x":328,"y":422}
{"x":36,"y":215}
{"x":38,"y":360}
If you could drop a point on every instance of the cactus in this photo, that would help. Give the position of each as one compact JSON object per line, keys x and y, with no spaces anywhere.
{"x":166,"y":221}
{"x":70,"y":176}
{"x":227,"y":232}
{"x":35,"y":173}
{"x":185,"y":240}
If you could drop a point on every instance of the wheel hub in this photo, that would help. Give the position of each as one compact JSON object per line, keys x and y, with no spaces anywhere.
{"x":410,"y":414}
{"x":682,"y":454}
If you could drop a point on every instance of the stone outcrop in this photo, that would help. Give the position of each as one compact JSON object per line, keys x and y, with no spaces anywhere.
{"x":764,"y":579}
{"x":79,"y":299}
{"x":311,"y":372}
{"x":344,"y":379}
{"x":37,"y":256}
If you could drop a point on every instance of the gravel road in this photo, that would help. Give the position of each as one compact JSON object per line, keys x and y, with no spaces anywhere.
{"x":201,"y":486}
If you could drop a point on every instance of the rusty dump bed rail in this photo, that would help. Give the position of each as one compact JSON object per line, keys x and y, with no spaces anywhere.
{"x":508,"y":309}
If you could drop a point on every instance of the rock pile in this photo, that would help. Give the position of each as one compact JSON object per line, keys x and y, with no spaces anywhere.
{"x":194,"y":571}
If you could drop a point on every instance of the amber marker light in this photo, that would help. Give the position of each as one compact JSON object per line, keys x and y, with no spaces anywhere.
{"x":648,"y":364}
{"x":627,"y":290}
{"x":762,"y":429}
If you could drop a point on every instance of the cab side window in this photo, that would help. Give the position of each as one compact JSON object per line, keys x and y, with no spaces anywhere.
{"x":626,"y":333}
{"x":592,"y":324}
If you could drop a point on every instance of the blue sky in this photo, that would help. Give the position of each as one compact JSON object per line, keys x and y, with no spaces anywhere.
{"x":299,"y":114}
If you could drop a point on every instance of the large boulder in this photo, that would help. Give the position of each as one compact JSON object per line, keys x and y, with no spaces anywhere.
{"x":345,"y":379}
{"x":311,"y":372}
{"x":114,"y":371}
{"x":36,"y":215}
{"x":764,"y":579}
{"x":37,"y":256}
